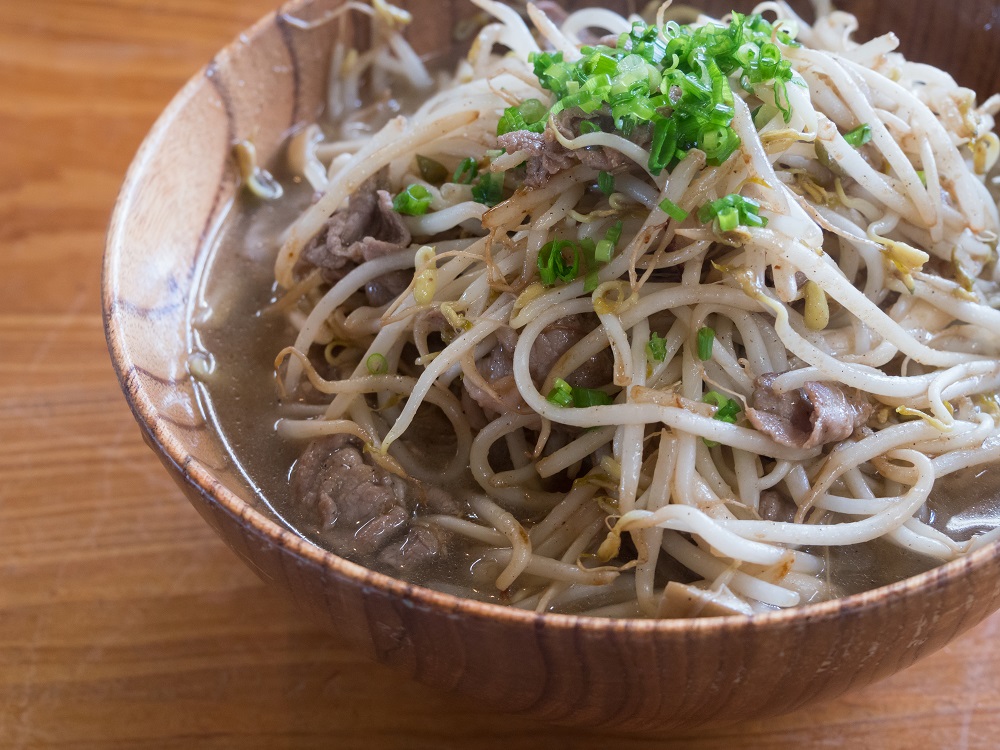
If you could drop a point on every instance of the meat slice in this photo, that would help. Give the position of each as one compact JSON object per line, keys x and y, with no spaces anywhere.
{"x":497,"y":368}
{"x":776,"y":507}
{"x":422,"y":545}
{"x":387,"y":287}
{"x":496,"y":392}
{"x":367,"y":228}
{"x":595,"y":157}
{"x":347,"y":493}
{"x":814,"y":415}
{"x":546,"y":156}
{"x":361,"y":509}
{"x":557,"y":339}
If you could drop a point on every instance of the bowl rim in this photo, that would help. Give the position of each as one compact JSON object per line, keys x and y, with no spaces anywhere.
{"x":199,"y":477}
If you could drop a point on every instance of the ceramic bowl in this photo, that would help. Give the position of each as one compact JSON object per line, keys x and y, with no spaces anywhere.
{"x":636,"y":675}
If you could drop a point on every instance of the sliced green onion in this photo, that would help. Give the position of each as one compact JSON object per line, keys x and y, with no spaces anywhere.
{"x":377,"y":364}
{"x":706,"y":341}
{"x":510,"y":122}
{"x":859,"y":136}
{"x":587,"y":250}
{"x":729,"y":219}
{"x":561,"y":393}
{"x":750,"y":218}
{"x":588,"y":126}
{"x":732,"y":211}
{"x":729,"y":412}
{"x":664,"y":145}
{"x":552,"y":263}
{"x":787,"y":36}
{"x":432,"y":171}
{"x":533,"y":111}
{"x":489,"y":189}
{"x":467,"y":171}
{"x":718,"y":144}
{"x":672,"y":210}
{"x":656,"y":348}
{"x":605,"y":251}
{"x":674,"y":78}
{"x":606,"y":247}
{"x":727,"y":409}
{"x":584,"y":397}
{"x":528,"y":115}
{"x":606,"y":182}
{"x":414,"y":201}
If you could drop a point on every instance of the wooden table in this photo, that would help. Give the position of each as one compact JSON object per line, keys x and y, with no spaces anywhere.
{"x":124,"y":622}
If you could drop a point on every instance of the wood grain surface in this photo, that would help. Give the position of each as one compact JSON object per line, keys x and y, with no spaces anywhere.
{"x":124,"y":622}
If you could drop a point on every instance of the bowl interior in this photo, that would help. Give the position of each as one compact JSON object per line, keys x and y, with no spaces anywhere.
{"x":182,"y":185}
{"x":179,"y":191}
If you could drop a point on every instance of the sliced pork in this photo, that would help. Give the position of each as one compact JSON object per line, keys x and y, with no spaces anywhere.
{"x":814,"y":415}
{"x":367,"y":228}
{"x":360,"y":508}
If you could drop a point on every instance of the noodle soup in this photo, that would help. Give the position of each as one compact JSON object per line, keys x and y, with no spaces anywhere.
{"x":652,"y":320}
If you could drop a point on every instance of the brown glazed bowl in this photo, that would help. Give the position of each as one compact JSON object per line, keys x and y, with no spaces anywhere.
{"x":637,"y":675}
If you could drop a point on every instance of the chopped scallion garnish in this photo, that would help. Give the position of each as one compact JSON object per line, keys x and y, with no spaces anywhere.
{"x":489,"y":189}
{"x":656,"y":348}
{"x":732,"y":211}
{"x":706,"y":341}
{"x":553,"y":265}
{"x":584,"y":397}
{"x":606,"y":247}
{"x":528,"y":115}
{"x":606,"y":182}
{"x":561,"y":393}
{"x":414,"y":201}
{"x":727,"y":409}
{"x":377,"y":364}
{"x":675,"y":79}
{"x":672,"y":210}
{"x":467,"y":171}
{"x":859,"y":136}
{"x":564,"y":260}
{"x":728,"y":218}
